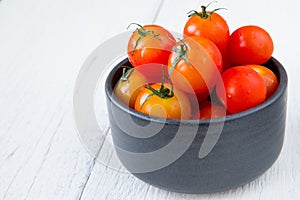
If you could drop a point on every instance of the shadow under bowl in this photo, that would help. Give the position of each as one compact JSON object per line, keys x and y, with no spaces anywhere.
{"x":165,"y":152}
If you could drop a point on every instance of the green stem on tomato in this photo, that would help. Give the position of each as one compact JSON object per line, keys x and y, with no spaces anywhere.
{"x":143,"y":33}
{"x":204,"y":14}
{"x":163,"y":92}
{"x":127,"y":71}
{"x":181,"y":52}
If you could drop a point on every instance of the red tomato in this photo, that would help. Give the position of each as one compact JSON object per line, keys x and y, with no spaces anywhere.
{"x":195,"y":65}
{"x":242,"y":88}
{"x":210,"y":25}
{"x":150,"y":44}
{"x":250,"y":45}
{"x":269,"y":77}
{"x":164,"y":105}
{"x":152,"y":71}
{"x":129,"y":86}
{"x":209,"y":110}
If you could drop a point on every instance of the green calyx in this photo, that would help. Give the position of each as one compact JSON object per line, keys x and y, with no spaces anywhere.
{"x":143,"y":33}
{"x":181,"y":51}
{"x":204,"y":14}
{"x":126,"y":73}
{"x":163,"y":92}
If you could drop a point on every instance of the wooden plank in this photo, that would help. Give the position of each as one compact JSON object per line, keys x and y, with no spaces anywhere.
{"x":281,"y":181}
{"x":40,"y":154}
{"x":43,"y":45}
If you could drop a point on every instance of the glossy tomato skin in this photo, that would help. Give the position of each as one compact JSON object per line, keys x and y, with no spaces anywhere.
{"x":214,"y":28}
{"x":203,"y":69}
{"x":241,"y":88}
{"x":127,"y":90}
{"x":152,"y":48}
{"x":153,"y":72}
{"x":250,"y":45}
{"x":269,"y":77}
{"x":176,"y":107}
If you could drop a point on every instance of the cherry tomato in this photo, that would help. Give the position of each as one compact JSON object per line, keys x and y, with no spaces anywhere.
{"x":210,"y":110}
{"x":250,"y":45}
{"x":208,"y":24}
{"x":152,"y":71}
{"x":150,"y":44}
{"x":269,"y":77}
{"x":161,"y":102}
{"x":195,"y":65}
{"x":241,"y":88}
{"x":129,"y":86}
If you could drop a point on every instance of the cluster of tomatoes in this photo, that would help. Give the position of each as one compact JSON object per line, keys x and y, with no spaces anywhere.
{"x":176,"y":79}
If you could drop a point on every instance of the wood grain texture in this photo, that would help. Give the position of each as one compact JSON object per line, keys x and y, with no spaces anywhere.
{"x":42,"y":47}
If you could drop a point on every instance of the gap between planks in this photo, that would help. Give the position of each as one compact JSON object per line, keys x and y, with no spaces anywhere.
{"x":107,"y":131}
{"x":93,"y":162}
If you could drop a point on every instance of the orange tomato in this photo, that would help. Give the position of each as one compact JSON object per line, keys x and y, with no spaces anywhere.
{"x":129,"y":86}
{"x":150,"y":44}
{"x":269,"y":77}
{"x":208,"y":24}
{"x":173,"y":106}
{"x":195,"y":65}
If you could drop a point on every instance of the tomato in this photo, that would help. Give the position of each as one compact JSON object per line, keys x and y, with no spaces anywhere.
{"x":210,"y":110}
{"x":241,"y":88}
{"x":250,"y":45}
{"x":129,"y":86}
{"x":195,"y":65}
{"x":152,"y":71}
{"x":269,"y":77}
{"x":210,"y":25}
{"x":165,"y":104}
{"x":150,"y":44}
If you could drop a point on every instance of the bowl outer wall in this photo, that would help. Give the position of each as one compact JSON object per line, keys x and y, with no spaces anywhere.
{"x":249,"y":144}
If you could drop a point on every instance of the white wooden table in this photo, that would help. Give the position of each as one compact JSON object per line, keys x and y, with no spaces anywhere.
{"x":43,"y":44}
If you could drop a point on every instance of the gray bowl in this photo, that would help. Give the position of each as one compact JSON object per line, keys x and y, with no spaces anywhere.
{"x":199,"y":156}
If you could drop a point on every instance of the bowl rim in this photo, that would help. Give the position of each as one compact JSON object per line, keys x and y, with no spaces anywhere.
{"x":282,"y":86}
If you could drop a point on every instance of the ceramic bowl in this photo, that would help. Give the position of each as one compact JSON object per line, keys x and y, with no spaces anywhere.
{"x":165,"y":152}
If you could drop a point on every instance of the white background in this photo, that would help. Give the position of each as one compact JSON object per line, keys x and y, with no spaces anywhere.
{"x":43,"y":44}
